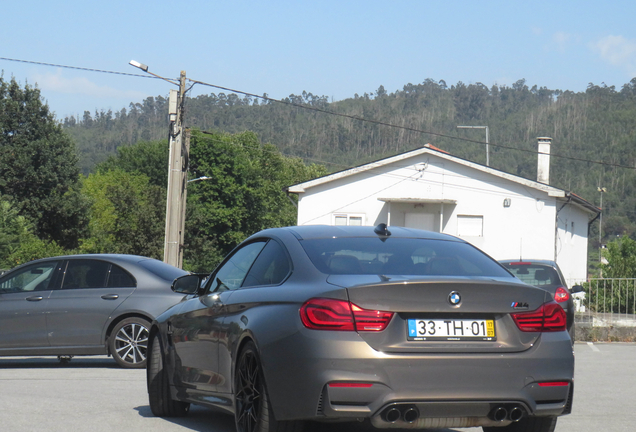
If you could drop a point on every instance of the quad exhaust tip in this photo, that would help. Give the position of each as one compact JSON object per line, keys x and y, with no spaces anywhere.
{"x":515,"y":414}
{"x":501,"y":413}
{"x":392,"y":415}
{"x":408,"y":414}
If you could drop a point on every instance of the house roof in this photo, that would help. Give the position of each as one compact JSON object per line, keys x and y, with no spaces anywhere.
{"x":432,"y":150}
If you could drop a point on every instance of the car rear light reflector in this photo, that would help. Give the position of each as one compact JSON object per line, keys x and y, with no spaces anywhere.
{"x":350,"y":384}
{"x":554,"y":384}
{"x":331,"y":314}
{"x":561,"y":295}
{"x":550,"y":317}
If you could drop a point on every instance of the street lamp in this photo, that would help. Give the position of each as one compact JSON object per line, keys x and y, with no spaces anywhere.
{"x":487,"y":142}
{"x":200,"y":178}
{"x":177,"y":172}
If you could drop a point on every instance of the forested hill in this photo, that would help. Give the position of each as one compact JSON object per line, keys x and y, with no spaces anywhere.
{"x":596,"y":125}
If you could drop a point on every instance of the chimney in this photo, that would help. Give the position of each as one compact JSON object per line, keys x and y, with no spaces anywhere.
{"x":543,"y":166}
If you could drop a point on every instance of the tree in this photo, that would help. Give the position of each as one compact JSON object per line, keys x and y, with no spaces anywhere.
{"x":127,"y":214}
{"x":39,"y":166}
{"x":13,"y":228}
{"x":18,"y":244}
{"x":244,"y":196}
{"x":621,"y":259}
{"x":146,"y":157}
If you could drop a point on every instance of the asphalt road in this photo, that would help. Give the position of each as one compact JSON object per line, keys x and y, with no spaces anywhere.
{"x":93,"y":394}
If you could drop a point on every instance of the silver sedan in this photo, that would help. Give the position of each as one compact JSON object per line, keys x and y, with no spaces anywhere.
{"x":84,"y":305}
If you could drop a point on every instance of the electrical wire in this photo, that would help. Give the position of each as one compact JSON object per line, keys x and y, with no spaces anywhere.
{"x":403,"y":177}
{"x":410,"y":129}
{"x":79,"y":68}
{"x":325,"y":111}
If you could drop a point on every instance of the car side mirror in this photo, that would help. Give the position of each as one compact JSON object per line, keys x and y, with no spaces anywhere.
{"x":188,"y":284}
{"x":577,"y":289}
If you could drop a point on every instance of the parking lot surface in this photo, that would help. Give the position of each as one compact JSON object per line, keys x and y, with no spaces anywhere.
{"x":93,"y":394}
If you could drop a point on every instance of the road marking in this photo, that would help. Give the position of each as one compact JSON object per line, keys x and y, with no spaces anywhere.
{"x":593,"y":347}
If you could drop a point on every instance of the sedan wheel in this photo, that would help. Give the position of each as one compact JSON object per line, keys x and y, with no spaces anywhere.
{"x":128,"y":343}
{"x":252,"y":410}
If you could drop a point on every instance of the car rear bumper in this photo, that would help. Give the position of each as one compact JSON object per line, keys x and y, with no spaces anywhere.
{"x":445,"y":390}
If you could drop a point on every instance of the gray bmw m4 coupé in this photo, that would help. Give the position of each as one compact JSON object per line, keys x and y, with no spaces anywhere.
{"x":395,"y":327}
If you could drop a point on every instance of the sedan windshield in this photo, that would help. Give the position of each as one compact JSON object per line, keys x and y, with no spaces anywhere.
{"x":400,"y":256}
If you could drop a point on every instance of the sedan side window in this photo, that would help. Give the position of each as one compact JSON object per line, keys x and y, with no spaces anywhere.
{"x":35,"y":277}
{"x":270,"y":268}
{"x":85,"y":274}
{"x":120,"y":278}
{"x":231,"y":274}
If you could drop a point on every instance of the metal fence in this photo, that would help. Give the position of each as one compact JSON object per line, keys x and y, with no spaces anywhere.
{"x":607,"y":302}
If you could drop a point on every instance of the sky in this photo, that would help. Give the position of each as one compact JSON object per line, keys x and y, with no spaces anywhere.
{"x":329,"y":48}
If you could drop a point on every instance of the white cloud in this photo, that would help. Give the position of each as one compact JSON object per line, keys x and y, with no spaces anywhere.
{"x":617,"y":51}
{"x":537,"y":31}
{"x":82,"y":86}
{"x":562,"y":40}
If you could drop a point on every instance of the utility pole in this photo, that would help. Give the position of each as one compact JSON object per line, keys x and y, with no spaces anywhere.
{"x":177,"y":170}
{"x":177,"y":178}
{"x":487,"y":142}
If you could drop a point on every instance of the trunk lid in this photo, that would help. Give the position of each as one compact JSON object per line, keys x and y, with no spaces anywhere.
{"x":459,"y":327}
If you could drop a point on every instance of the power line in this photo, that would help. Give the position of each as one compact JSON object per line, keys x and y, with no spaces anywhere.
{"x":325,"y":111}
{"x":78,"y":68}
{"x":410,"y":129}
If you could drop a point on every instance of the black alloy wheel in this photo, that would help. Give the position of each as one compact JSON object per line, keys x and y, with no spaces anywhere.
{"x":249,"y":390}
{"x":128,"y":343}
{"x":253,"y":412}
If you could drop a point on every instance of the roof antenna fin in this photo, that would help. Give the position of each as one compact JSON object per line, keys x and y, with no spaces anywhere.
{"x":381,"y":229}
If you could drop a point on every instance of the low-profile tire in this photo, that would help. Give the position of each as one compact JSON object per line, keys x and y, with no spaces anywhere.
{"x":159,"y":398}
{"x":527,"y":424}
{"x":128,"y":342}
{"x":253,"y":412}
{"x":572,"y":333}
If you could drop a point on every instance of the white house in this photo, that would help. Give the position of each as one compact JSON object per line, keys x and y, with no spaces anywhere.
{"x":505,"y":215}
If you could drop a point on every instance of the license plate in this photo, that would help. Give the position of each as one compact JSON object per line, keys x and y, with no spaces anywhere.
{"x":451,"y":330}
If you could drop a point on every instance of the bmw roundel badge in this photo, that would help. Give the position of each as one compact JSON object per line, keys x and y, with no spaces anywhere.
{"x":454,"y":298}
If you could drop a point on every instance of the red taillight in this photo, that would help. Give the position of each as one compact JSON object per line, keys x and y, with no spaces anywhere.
{"x":554,"y":384}
{"x":561,"y":295}
{"x":550,"y":317}
{"x":350,"y":385}
{"x":327,"y":314}
{"x":370,"y":320}
{"x":330,"y":314}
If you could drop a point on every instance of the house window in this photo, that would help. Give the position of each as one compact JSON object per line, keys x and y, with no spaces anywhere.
{"x":470,"y":226}
{"x":348,"y":219}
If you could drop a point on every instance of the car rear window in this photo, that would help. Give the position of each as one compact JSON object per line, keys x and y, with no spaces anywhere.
{"x":400,"y":256}
{"x":161,"y":269}
{"x":534,"y":274}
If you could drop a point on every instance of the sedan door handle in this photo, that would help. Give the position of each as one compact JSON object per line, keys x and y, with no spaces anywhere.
{"x":34,"y":298}
{"x":110,"y":296}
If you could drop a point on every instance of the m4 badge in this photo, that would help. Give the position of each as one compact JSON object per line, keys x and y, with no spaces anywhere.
{"x":519,"y":305}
